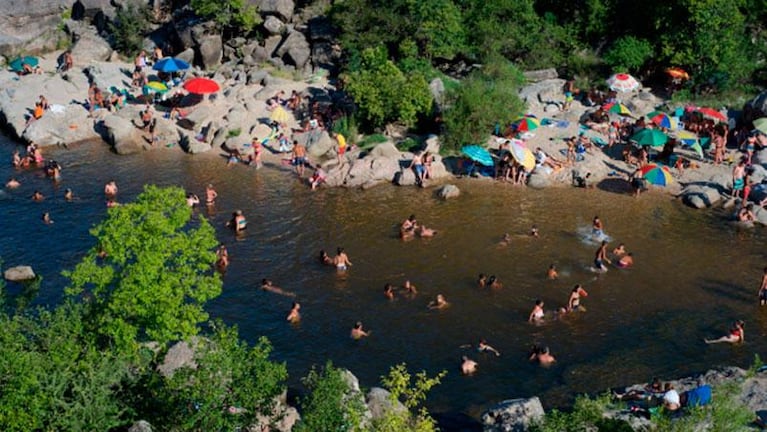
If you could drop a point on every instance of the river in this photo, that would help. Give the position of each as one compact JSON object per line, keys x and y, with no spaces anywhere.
{"x":694,"y":274}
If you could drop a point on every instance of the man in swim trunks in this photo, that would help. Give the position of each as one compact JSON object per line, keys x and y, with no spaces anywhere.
{"x":341,"y":260}
{"x":601,"y":257}
{"x":574,"y":302}
{"x":299,"y":157}
{"x":763,"y":288}
{"x":341,"y":146}
{"x":417,"y":166}
{"x":596,"y":228}
{"x":210,"y":195}
{"x":737,"y":178}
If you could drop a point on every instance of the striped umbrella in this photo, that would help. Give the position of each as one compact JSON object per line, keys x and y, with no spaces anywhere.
{"x":650,"y":137}
{"x":623,"y":82}
{"x":526,"y":124}
{"x":661,"y":119}
{"x":617,"y":108}
{"x":522,"y":155}
{"x":657,"y":174}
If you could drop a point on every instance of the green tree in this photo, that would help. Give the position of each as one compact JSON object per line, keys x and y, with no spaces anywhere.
{"x":330,"y":405}
{"x":383,"y":93}
{"x":128,"y":29}
{"x":230,"y":386}
{"x":411,"y":391}
{"x":237,"y":14}
{"x":628,"y":54}
{"x":151,"y":271}
{"x":487,"y":96}
{"x":438,"y":27}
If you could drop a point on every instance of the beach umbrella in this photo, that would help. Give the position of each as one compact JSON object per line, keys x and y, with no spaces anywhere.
{"x":155,"y":86}
{"x":616,"y":108}
{"x":623,"y":82}
{"x":712,"y":114}
{"x":201,"y":86}
{"x":279,"y":115}
{"x":661,"y":119}
{"x":526,"y":124}
{"x":170,"y":64}
{"x":657,"y":174}
{"x":17,"y":65}
{"x":649,"y":137}
{"x":761,"y":125}
{"x":478,"y":155}
{"x":686,"y":137}
{"x":677,"y":73}
{"x":522,"y":154}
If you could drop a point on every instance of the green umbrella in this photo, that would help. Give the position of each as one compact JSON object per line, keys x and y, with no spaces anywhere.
{"x":761,"y":125}
{"x":650,"y":137}
{"x":17,"y":65}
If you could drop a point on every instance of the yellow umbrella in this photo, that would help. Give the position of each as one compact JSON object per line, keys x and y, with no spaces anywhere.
{"x":522,"y":155}
{"x":279,"y":115}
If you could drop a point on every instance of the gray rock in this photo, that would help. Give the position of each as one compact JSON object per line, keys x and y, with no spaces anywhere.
{"x":122,"y":135}
{"x":178,"y":356}
{"x":257,"y":76}
{"x":541,"y":75}
{"x":448,"y":191}
{"x":405,"y":177}
{"x":67,"y":127}
{"x":211,"y":51}
{"x":543,"y":92}
{"x":351,"y":380}
{"x":191,"y":145}
{"x":385,"y":150}
{"x":699,"y":197}
{"x":295,"y":49}
{"x":186,"y":55}
{"x":19,"y":273}
{"x":754,"y":392}
{"x":273,"y":25}
{"x":248,"y":48}
{"x":283,"y":9}
{"x":141,"y":426}
{"x":318,"y":143}
{"x":538,"y":180}
{"x":90,"y":46}
{"x":219,"y":138}
{"x":380,"y":402}
{"x":514,"y":415}
{"x":236,"y":42}
{"x":761,"y":216}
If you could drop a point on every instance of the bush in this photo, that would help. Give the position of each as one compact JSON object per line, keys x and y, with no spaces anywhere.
{"x":347,"y":127}
{"x":628,"y":54}
{"x":330,"y":405}
{"x":411,"y":391}
{"x":230,"y":14}
{"x":487,"y":96}
{"x":585,"y":415}
{"x":128,"y":29}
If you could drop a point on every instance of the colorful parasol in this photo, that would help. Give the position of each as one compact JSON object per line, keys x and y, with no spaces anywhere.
{"x":661,"y":119}
{"x":170,"y":64}
{"x":201,"y":86}
{"x":623,"y":82}
{"x":522,"y":155}
{"x":657,"y":174}
{"x":526,"y":124}
{"x":649,"y":137}
{"x":478,"y":154}
{"x":155,"y":86}
{"x":617,"y":108}
{"x":712,"y":114}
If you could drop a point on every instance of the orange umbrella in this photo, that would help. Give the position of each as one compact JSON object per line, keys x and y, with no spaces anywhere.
{"x":677,"y":73}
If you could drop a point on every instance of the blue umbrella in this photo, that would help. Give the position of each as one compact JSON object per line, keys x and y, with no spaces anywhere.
{"x":17,"y":65}
{"x":170,"y":64}
{"x":478,"y":155}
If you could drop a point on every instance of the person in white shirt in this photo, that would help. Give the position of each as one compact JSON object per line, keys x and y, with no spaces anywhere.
{"x":671,"y":398}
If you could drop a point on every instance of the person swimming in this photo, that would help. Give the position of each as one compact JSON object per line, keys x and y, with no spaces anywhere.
{"x":438,"y":303}
{"x":238,"y":222}
{"x":210,"y":195}
{"x":494,"y":283}
{"x":37,"y":196}
{"x":408,"y":227}
{"x":482,"y":280}
{"x":422,"y":231}
{"x":294,"y":316}
{"x":389,"y":291}
{"x":12,"y":183}
{"x":409,"y":288}
{"x":341,"y":260}
{"x":69,"y":195}
{"x":110,"y":190}
{"x":597,"y":229}
{"x":222,"y":258}
{"x":600,"y":257}
{"x":542,"y":356}
{"x":47,"y":218}
{"x":737,"y":334}
{"x":620,"y":250}
{"x":358,"y":332}
{"x":574,"y":302}
{"x":534,"y":231}
{"x":551,"y":273}
{"x":468,"y":366}
{"x":537,"y":313}
{"x":325,"y":258}
{"x":268,"y":285}
{"x":626,"y":261}
{"x":505,"y":240}
{"x":192,"y":200}
{"x":484,"y":347}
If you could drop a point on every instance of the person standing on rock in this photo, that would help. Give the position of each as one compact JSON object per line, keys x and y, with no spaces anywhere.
{"x":738,"y":174}
{"x":341,"y":149}
{"x":763,"y":288}
{"x":299,"y":158}
{"x":417,"y":166}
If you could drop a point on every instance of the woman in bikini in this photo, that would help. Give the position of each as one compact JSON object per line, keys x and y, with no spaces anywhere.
{"x":537,"y":313}
{"x":736,"y":335}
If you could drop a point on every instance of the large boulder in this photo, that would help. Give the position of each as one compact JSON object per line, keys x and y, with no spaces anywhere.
{"x":67,"y":125}
{"x":211,"y":51}
{"x":543,"y":92}
{"x":121,"y":133}
{"x":541,"y":75}
{"x":19,"y":273}
{"x":295,"y":49}
{"x":437,"y":89}
{"x":178,"y":356}
{"x":385,"y":150}
{"x":186,"y":55}
{"x":514,"y":415}
{"x":697,"y":196}
{"x":283,"y":9}
{"x":380,"y":402}
{"x":448,"y":191}
{"x":756,"y":107}
{"x":141,"y":426}
{"x":89,"y":46}
{"x":539,"y":179}
{"x":190,"y":144}
{"x":318,"y":143}
{"x":273,"y":25}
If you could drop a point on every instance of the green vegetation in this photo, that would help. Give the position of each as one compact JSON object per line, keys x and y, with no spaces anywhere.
{"x":585,"y":415}
{"x":151,"y":271}
{"x":331,"y":405}
{"x":371,"y":140}
{"x":628,"y":54}
{"x":411,"y":391}
{"x":128,"y":29}
{"x":237,"y":15}
{"x":233,"y":133}
{"x":725,"y":413}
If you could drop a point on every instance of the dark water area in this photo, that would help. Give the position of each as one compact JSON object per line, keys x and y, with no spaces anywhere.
{"x":694,"y":273}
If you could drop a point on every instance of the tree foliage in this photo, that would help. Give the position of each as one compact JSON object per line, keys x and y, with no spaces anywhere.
{"x":330,"y":405}
{"x":628,"y":54}
{"x":487,"y":96}
{"x":411,"y":390}
{"x":236,"y":14}
{"x":383,"y":93}
{"x":128,"y":29}
{"x":151,"y":271}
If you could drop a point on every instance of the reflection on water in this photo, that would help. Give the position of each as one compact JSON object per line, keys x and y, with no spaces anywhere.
{"x":693,"y":274}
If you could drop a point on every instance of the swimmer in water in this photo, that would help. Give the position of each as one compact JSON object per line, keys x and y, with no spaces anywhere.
{"x":110,"y":190}
{"x":47,"y":218}
{"x":542,"y":356}
{"x":737,"y":334}
{"x":600,"y":257}
{"x":294,"y":316}
{"x":210,"y":195}
{"x":222,"y":258}
{"x":408,"y":227}
{"x":574,"y":302}
{"x":537,"y":313}
{"x":620,"y":250}
{"x":534,"y":231}
{"x":267,"y":285}
{"x":425,"y":232}
{"x":468,"y":366}
{"x":551,"y":273}
{"x":238,"y":222}
{"x":192,"y":200}
{"x":12,"y":183}
{"x":69,"y":195}
{"x":358,"y":332}
{"x":341,"y":260}
{"x":482,"y":280}
{"x":596,"y":228}
{"x":409,"y":288}
{"x":37,"y":196}
{"x":626,"y":261}
{"x":483,"y":346}
{"x":505,"y":241}
{"x":389,"y":291}
{"x":325,"y":258}
{"x":494,"y":283}
{"x":438,"y":303}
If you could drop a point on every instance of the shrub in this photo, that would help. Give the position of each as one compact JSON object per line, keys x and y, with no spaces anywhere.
{"x":233,"y":133}
{"x":330,"y":405}
{"x":128,"y":29}
{"x":411,"y":391}
{"x":347,"y":127}
{"x":487,"y":96}
{"x":236,"y":14}
{"x":628,"y":54}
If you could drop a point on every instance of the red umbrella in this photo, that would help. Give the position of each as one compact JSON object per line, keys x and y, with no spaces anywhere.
{"x":712,"y":113}
{"x":201,"y":86}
